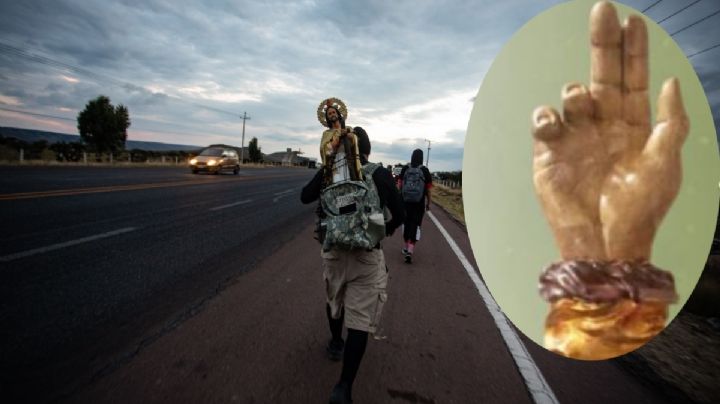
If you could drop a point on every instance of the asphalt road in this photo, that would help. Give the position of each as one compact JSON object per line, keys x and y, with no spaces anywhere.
{"x":158,"y":286}
{"x":112,"y":257}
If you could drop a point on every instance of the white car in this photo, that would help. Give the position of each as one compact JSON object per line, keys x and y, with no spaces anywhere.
{"x":214,"y":160}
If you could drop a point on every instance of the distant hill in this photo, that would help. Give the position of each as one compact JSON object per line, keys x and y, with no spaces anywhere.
{"x":31,"y":135}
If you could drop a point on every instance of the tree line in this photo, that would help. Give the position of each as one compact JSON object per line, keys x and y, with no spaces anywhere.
{"x":455,"y":176}
{"x":103,"y":133}
{"x":76,"y":151}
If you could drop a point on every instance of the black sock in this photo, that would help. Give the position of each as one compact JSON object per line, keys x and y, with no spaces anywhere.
{"x":335,"y":323}
{"x":354,"y":351}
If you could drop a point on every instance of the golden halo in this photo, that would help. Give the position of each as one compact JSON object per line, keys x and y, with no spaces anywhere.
{"x":331,"y":102}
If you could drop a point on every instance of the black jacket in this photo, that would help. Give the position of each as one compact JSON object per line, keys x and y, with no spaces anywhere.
{"x":387,"y":191}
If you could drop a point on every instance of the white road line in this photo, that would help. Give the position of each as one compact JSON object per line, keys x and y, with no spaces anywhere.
{"x":534,"y":380}
{"x":23,"y":254}
{"x":279,"y":195}
{"x":232,"y":204}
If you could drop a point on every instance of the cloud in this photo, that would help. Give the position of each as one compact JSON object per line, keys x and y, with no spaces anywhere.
{"x":407,"y":70}
{"x":9,"y":100}
{"x":69,"y":79}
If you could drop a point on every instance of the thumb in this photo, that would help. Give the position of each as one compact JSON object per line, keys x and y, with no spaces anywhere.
{"x":672,"y":126}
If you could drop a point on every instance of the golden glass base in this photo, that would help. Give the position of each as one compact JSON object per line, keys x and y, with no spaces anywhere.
{"x":596,"y":331}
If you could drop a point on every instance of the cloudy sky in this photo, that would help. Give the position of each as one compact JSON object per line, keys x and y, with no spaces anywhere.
{"x":407,"y":70}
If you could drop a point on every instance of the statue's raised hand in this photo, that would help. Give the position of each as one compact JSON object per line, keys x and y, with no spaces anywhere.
{"x":604,"y":176}
{"x":644,"y":162}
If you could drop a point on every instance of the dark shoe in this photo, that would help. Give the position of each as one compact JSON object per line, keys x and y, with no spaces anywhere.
{"x":340,"y":394}
{"x":335,"y":349}
{"x":408,"y":258}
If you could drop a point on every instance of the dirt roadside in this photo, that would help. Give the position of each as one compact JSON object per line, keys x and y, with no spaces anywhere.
{"x":684,"y":360}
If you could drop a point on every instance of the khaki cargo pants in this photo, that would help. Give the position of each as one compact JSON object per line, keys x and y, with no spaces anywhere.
{"x":357,"y":280}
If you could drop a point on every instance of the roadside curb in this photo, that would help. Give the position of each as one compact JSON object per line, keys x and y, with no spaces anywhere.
{"x":453,"y":218}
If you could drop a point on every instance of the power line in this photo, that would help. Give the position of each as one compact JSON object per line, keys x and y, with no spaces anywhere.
{"x":696,"y":22}
{"x":15,"y":51}
{"x":651,"y":6}
{"x":703,"y":51}
{"x":36,"y":114}
{"x":679,"y":11}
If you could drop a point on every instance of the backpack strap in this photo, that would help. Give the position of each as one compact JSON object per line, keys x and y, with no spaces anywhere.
{"x":369,"y":169}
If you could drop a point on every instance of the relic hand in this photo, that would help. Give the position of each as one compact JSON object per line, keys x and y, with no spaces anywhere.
{"x":604,"y":177}
{"x":645,"y":169}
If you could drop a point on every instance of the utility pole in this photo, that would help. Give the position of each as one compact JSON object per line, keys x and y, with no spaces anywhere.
{"x":242,"y":146}
{"x":427,"y":162}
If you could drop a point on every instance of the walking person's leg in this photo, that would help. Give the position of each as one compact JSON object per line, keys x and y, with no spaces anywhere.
{"x":413,"y":214}
{"x":334,"y":276}
{"x":364,"y":300}
{"x":354,"y":352}
{"x":421,"y":214}
{"x":406,"y":232}
{"x":336,"y":344}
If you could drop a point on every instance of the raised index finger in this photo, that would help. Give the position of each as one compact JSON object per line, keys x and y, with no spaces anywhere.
{"x":605,"y":61}
{"x":635,"y":72}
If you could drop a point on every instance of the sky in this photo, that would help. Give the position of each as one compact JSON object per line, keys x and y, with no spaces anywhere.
{"x":187,"y":71}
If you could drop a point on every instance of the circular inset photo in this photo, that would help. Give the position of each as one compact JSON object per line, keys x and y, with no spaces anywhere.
{"x":591,"y":175}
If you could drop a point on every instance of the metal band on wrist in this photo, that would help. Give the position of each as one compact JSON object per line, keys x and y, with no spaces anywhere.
{"x":606,"y":282}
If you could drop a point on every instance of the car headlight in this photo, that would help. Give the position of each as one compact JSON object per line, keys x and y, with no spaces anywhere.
{"x":212,"y":162}
{"x":193,"y":161}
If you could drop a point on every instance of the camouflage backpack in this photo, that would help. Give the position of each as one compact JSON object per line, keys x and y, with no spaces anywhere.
{"x":354,"y":218}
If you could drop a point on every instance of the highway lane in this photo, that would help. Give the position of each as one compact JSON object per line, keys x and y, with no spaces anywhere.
{"x":45,"y":216}
{"x":262,"y":341}
{"x":87,"y":277}
{"x":39,"y":178}
{"x":211,"y":292}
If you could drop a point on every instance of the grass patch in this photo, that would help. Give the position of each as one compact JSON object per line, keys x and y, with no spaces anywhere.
{"x":449,"y":199}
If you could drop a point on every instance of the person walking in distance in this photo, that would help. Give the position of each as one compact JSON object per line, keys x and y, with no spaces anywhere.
{"x":353,"y":262}
{"x":415,"y":185}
